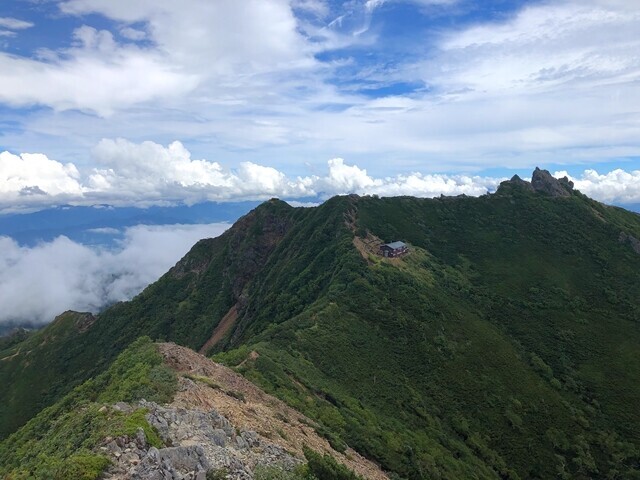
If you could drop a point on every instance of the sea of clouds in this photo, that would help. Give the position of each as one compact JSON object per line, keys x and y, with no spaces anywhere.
{"x":37,"y":283}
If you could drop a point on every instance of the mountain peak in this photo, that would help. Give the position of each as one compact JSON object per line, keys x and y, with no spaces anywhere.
{"x":541,"y":181}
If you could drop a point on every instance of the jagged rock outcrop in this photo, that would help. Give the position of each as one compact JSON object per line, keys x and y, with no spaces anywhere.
{"x":218,"y":422}
{"x":543,"y":182}
{"x":170,"y":463}
{"x":264,"y":422}
{"x":518,"y":182}
{"x":632,"y":241}
{"x":200,"y":442}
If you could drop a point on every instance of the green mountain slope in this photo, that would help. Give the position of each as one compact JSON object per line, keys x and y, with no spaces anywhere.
{"x":505,"y":345}
{"x":61,"y":441}
{"x":183,"y":306}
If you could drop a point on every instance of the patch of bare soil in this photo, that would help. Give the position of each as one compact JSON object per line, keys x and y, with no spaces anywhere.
{"x":248,"y":407}
{"x":221,"y":329}
{"x":368,"y":246}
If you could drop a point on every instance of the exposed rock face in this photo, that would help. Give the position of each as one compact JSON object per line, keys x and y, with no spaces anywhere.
{"x":543,"y":182}
{"x":225,"y":448}
{"x":176,"y":463}
{"x":633,"y":242}
{"x":84,"y":321}
{"x":201,"y":442}
{"x":250,"y":242}
{"x":518,"y":182}
{"x":218,"y":422}
{"x":256,"y":417}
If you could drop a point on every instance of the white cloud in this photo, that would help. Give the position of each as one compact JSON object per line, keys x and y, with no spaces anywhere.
{"x":36,"y":175}
{"x":97,"y":74}
{"x":233,"y":49}
{"x":38,"y":283}
{"x":556,"y":81}
{"x":14,"y":23}
{"x":348,"y":178}
{"x":253,"y":33}
{"x":617,"y":186}
{"x":133,"y":34}
{"x":149,"y":173}
{"x":545,"y":47}
{"x":317,"y":7}
{"x":105,"y":230}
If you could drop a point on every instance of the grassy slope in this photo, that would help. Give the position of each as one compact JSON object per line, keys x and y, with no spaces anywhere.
{"x":58,"y":443}
{"x":507,"y":344}
{"x":183,"y":306}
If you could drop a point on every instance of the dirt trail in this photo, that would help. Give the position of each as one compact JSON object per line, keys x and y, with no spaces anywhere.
{"x":221,"y":329}
{"x":248,"y":407}
{"x":10,"y":356}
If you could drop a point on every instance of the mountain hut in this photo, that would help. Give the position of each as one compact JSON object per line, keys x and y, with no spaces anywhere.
{"x":394,"y":249}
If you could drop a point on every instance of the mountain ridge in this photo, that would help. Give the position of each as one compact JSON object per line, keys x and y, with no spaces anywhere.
{"x":511,"y":325}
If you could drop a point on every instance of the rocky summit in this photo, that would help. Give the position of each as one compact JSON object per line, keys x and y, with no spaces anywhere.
{"x":541,"y":181}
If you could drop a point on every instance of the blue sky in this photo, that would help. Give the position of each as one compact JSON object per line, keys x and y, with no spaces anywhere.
{"x":155,"y":101}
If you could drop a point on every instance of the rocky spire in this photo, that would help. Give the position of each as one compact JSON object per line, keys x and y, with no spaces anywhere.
{"x":541,"y":181}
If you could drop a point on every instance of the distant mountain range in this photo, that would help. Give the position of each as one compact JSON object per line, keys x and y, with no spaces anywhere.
{"x":101,"y":224}
{"x":504,"y":345}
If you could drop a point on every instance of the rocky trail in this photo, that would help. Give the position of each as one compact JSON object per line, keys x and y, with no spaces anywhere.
{"x":219,"y":422}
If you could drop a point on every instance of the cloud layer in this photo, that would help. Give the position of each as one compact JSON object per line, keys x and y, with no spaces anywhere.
{"x":149,"y":173}
{"x":40,"y":282}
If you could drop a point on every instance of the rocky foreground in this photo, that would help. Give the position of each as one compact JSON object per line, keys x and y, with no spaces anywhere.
{"x":221,"y":423}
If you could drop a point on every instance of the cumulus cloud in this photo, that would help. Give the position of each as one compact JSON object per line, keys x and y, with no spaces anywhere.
{"x":152,"y":171}
{"x":617,"y":186}
{"x":38,"y":283}
{"x":208,"y":49}
{"x":31,"y":178}
{"x":149,"y":173}
{"x":96,"y":74}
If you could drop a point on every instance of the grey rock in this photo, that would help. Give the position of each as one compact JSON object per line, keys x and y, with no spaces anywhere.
{"x":153,"y":455}
{"x":516,"y":180}
{"x":200,"y":442}
{"x":141,"y":439}
{"x":251,"y":438}
{"x":543,"y":182}
{"x":241,"y":443}
{"x":632,"y":241}
{"x":122,"y":407}
{"x":218,"y":437}
{"x":185,"y":458}
{"x":113,"y":448}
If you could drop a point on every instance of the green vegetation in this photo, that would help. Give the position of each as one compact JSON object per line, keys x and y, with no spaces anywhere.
{"x":318,"y":467}
{"x":60,"y":442}
{"x":505,"y":345}
{"x":466,"y":356}
{"x":324,"y":467}
{"x":183,"y":306}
